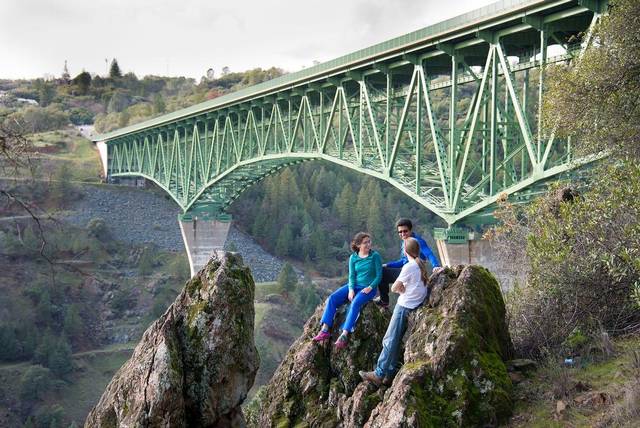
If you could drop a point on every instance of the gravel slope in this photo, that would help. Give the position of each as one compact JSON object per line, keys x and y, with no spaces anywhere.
{"x":143,"y":217}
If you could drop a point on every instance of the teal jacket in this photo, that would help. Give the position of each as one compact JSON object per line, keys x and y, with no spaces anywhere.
{"x":365,"y":272}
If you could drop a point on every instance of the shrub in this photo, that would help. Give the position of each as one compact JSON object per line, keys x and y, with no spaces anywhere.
{"x":35,"y":383}
{"x":583,"y":254}
{"x":97,"y":228}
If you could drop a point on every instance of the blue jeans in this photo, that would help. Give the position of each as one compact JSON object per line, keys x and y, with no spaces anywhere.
{"x":339,"y":298}
{"x":388,"y":360}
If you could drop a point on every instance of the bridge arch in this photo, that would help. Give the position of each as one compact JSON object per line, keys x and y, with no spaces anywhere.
{"x":450,"y":115}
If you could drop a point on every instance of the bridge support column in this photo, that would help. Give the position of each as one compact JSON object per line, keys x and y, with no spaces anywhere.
{"x":202,"y":235}
{"x":460,"y":247}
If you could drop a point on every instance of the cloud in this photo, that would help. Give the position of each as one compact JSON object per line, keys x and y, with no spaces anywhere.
{"x":186,"y":37}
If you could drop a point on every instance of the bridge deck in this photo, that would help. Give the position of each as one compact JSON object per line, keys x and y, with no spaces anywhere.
{"x":466,"y":24}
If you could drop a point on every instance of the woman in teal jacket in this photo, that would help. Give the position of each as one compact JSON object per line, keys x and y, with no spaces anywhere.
{"x":365,"y":272}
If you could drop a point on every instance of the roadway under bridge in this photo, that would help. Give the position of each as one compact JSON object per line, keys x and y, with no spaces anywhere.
{"x":450,"y":115}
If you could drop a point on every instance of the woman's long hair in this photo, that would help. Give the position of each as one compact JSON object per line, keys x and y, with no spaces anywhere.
{"x":357,"y":240}
{"x":412,"y":247}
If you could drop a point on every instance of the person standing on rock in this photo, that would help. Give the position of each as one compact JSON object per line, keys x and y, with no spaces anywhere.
{"x":391,"y":270}
{"x":411,"y":285}
{"x":365,"y":272}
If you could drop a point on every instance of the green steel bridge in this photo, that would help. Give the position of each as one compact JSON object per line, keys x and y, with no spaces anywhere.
{"x":450,"y":115}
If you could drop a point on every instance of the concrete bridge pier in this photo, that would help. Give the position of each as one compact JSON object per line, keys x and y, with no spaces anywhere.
{"x":460,"y":247}
{"x":202,"y":236}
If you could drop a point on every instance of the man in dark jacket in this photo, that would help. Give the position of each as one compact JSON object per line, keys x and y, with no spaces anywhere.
{"x":391,"y":270}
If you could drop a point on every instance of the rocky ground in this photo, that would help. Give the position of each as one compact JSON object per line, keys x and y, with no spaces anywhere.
{"x":144,"y":216}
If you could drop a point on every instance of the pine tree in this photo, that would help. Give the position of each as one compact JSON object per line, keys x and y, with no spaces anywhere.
{"x":375,"y":217}
{"x":285,"y":239}
{"x":114,"y":70}
{"x":287,"y":280}
{"x":344,"y":205}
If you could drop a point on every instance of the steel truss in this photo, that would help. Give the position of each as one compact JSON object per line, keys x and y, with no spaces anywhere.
{"x":453,"y":124}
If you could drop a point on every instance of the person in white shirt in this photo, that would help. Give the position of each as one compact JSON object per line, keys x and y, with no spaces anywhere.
{"x":411,"y":285}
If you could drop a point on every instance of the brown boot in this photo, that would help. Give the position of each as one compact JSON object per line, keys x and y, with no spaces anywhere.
{"x":371,"y":377}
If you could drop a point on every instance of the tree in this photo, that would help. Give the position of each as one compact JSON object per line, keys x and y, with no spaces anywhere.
{"x":287,"y":280}
{"x":60,"y":359}
{"x":97,"y":228}
{"x":344,"y":205}
{"x":46,"y":92}
{"x":596,"y":99}
{"x":159,"y":105}
{"x":62,"y":189}
{"x":34,"y":383}
{"x":83,"y":82}
{"x":284,"y":242}
{"x":114,"y":70}
{"x":73,"y":325}
{"x":9,"y":345}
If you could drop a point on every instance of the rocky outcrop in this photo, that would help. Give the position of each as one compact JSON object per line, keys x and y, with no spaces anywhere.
{"x":453,"y":373}
{"x":312,"y":378}
{"x":195,"y":364}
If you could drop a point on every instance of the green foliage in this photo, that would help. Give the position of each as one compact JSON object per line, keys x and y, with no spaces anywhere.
{"x":62,"y":190}
{"x":54,"y":353}
{"x":253,"y":408}
{"x":583,"y":252}
{"x":309,"y":214}
{"x":73,"y":325}
{"x":146,"y":262}
{"x":285,"y":242}
{"x":34,"y":119}
{"x":80,"y":116}
{"x":306,"y":296}
{"x":83,"y":82}
{"x":35,"y":382}
{"x":287,"y":280}
{"x":97,"y":228}
{"x":114,"y":70}
{"x":606,"y":81}
{"x":49,"y":417}
{"x":123,"y":299}
{"x":46,"y":92}
{"x":584,"y":260}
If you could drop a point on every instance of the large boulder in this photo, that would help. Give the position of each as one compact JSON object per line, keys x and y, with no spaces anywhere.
{"x":195,"y":364}
{"x":313,"y":378}
{"x":453,"y":373}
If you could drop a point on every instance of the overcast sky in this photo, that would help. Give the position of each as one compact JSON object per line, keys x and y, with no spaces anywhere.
{"x":186,"y":37}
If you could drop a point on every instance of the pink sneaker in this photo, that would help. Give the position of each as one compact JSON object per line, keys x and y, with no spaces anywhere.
{"x":322,"y":336}
{"x":342,"y":342}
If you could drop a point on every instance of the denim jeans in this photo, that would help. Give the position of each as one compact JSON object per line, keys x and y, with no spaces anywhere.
{"x":339,"y":298}
{"x":388,"y":360}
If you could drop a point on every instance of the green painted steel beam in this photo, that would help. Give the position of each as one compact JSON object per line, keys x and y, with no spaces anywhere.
{"x":447,"y":117}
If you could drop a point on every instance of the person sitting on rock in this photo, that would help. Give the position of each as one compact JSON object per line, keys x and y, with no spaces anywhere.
{"x":411,"y":285}
{"x":365,"y":272}
{"x":391,"y":270}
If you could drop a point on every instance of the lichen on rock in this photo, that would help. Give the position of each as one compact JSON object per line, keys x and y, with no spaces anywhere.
{"x":196,"y":363}
{"x":453,"y":372}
